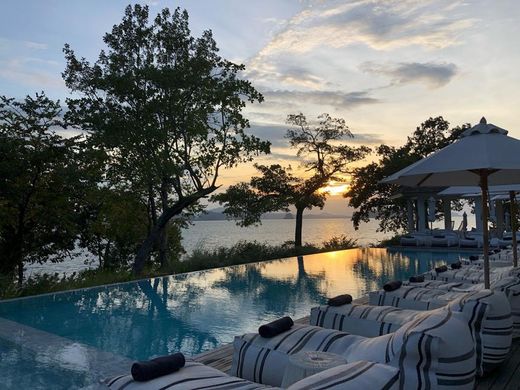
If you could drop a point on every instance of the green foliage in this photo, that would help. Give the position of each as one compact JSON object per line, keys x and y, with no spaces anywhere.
{"x":339,"y":243}
{"x":277,"y":188}
{"x":241,"y":253}
{"x":113,"y":224}
{"x":167,"y":109}
{"x":38,"y":182}
{"x":374,"y":200}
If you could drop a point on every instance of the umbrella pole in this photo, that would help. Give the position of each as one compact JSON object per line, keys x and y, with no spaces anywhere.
{"x":485,"y":231}
{"x":513,"y":227}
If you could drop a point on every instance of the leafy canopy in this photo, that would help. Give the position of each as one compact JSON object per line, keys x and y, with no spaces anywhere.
{"x":372,"y":199}
{"x":38,"y":183}
{"x":277,"y":188}
{"x":167,"y":108}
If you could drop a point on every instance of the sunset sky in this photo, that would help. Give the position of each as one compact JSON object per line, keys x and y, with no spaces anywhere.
{"x":383,"y":66}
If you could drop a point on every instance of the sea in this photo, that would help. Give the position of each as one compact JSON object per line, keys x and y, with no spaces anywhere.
{"x":212,"y":234}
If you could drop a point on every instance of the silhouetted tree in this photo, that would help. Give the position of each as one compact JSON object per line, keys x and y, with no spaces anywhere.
{"x":167,"y":109}
{"x":38,"y":180}
{"x":370,"y":198}
{"x":277,"y":188}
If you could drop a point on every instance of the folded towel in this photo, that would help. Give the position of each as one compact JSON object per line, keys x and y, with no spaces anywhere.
{"x":151,"y":369}
{"x":276,"y":327}
{"x":340,"y":300}
{"x":456,"y":265}
{"x":442,"y":268}
{"x":416,"y":279}
{"x":473,"y":257}
{"x":391,"y":286}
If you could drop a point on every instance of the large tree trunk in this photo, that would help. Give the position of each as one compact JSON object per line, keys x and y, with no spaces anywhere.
{"x":144,"y":252}
{"x":299,"y":224}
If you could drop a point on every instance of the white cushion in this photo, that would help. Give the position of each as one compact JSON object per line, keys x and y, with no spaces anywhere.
{"x":191,"y":376}
{"x":487,"y":313}
{"x":353,"y":376}
{"x":435,"y":349}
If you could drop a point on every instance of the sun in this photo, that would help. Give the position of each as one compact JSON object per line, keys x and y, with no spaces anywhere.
{"x":334,"y":188}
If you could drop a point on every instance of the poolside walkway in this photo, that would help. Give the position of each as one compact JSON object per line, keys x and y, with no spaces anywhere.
{"x":506,"y":377}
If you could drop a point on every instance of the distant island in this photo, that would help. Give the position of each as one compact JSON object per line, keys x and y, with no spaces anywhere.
{"x":218,"y":215}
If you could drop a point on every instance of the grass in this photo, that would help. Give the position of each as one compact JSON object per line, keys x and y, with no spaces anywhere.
{"x":241,"y":253}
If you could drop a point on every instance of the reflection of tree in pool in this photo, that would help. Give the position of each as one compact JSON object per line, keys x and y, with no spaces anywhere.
{"x":277,"y":295}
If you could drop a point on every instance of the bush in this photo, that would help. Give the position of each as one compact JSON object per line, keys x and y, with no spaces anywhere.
{"x":338,"y":243}
{"x":201,"y":258}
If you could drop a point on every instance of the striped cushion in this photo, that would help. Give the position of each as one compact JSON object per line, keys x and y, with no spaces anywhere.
{"x":487,"y":313}
{"x":435,"y":348}
{"x":191,"y":376}
{"x":355,"y":376}
{"x":509,"y":285}
{"x":472,"y":274}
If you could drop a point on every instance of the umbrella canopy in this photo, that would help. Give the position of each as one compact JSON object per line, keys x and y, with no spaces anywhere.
{"x":464,"y":221}
{"x":483,"y":156}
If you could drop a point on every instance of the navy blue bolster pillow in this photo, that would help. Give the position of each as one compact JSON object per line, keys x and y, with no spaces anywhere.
{"x":473,"y":257}
{"x":155,"y":368}
{"x":456,"y":265}
{"x":416,"y":279}
{"x":442,"y":268}
{"x":340,"y":300}
{"x":276,"y":327}
{"x":391,"y":286}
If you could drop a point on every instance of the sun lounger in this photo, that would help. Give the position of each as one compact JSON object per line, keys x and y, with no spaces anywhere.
{"x":416,"y":239}
{"x":444,"y":239}
{"x":436,"y":350}
{"x":353,"y":376}
{"x":507,"y":239}
{"x":491,"y":328}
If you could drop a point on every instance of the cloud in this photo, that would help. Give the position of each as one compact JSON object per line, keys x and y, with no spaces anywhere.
{"x":282,"y":71}
{"x":433,"y":75}
{"x":380,"y":24}
{"x":21,"y":71}
{"x":336,"y":99}
{"x":276,"y":135}
{"x":35,"y":45}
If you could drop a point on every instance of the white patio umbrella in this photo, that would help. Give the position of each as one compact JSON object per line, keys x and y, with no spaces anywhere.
{"x":464,"y":221}
{"x":483,"y":156}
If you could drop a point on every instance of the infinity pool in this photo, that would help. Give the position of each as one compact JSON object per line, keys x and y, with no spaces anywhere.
{"x":190,"y":313}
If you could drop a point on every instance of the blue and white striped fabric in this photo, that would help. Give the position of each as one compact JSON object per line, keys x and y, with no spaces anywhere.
{"x":367,"y":375}
{"x":510,"y":286}
{"x":191,"y":376}
{"x":358,"y":375}
{"x":488,"y":314}
{"x":472,"y":274}
{"x":435,"y":350}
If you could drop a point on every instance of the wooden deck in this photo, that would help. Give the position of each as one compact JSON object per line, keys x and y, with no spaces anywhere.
{"x":506,"y":377}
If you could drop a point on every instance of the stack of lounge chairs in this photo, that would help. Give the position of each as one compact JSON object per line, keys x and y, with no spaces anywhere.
{"x":452,"y":238}
{"x":431,"y":238}
{"x":440,"y":330}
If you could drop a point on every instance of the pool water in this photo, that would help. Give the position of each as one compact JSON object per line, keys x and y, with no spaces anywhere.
{"x":199,"y":311}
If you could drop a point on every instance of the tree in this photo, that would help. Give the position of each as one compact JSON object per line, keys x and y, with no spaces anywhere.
{"x":372,"y":199}
{"x":168,"y":111}
{"x":278,"y":188}
{"x":37,"y":184}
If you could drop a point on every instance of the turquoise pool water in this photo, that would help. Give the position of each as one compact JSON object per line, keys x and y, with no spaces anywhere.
{"x":198,"y":311}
